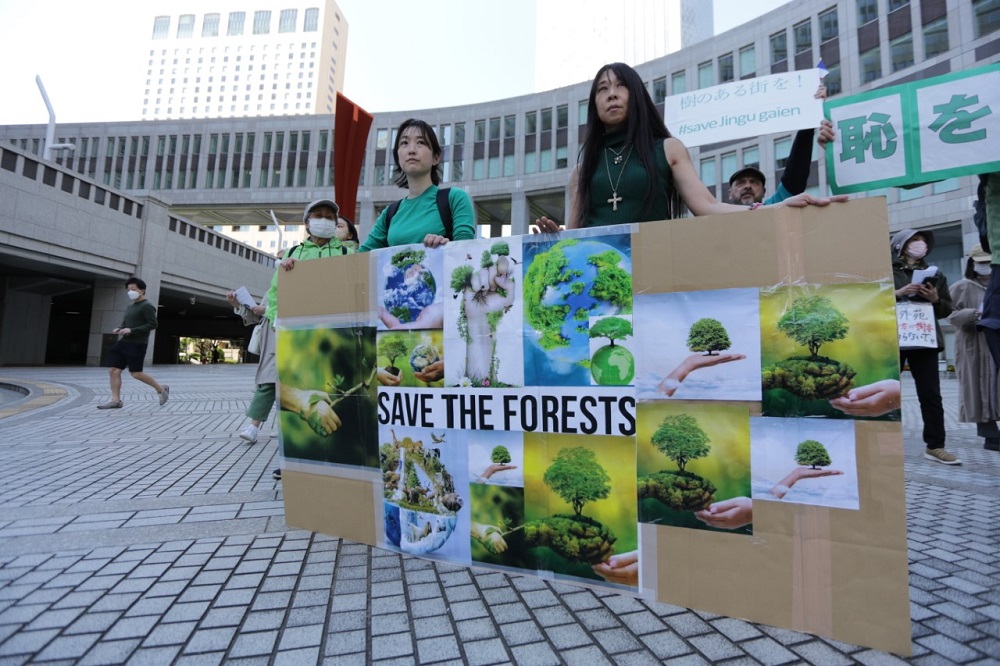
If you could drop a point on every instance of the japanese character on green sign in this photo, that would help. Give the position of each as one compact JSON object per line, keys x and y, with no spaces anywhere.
{"x":856,"y":142}
{"x":952,"y":119}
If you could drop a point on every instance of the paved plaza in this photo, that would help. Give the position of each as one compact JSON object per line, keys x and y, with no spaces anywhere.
{"x":153,"y":535}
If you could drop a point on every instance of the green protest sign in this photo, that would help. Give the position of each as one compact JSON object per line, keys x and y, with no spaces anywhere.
{"x":914,"y":133}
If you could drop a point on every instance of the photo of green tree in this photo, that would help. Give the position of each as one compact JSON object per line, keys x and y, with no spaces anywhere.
{"x":328,"y":386}
{"x":580,"y":502}
{"x":693,"y":458}
{"x":820,"y":342}
{"x":497,"y":525}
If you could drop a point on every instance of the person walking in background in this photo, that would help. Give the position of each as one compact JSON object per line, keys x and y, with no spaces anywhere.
{"x":977,"y":377}
{"x":910,"y":249}
{"x":130,"y":349}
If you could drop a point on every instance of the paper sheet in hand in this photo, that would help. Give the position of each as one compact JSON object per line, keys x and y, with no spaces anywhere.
{"x":922,"y":274}
{"x":244,"y":297}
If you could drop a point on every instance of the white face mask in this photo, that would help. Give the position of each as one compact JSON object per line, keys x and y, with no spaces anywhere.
{"x":320,"y":227}
{"x":916,"y":250}
{"x":133,"y":295}
{"x":981,"y":268}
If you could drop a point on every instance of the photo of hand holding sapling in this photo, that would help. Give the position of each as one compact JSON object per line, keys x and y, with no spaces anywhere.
{"x":579,"y":502}
{"x":693,"y":463}
{"x":805,"y":461}
{"x":828,"y":351}
{"x":411,"y":358}
{"x":701,"y":345}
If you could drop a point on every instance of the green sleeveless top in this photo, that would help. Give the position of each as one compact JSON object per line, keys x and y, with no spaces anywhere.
{"x":631,"y":186}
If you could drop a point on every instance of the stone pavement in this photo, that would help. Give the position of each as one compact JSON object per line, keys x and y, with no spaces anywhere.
{"x":152,"y":535}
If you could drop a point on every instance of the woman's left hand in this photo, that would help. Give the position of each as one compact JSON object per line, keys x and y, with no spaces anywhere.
{"x":433,"y":240}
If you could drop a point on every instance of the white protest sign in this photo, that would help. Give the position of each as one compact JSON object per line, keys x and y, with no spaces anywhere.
{"x":752,"y":107}
{"x":914,"y":133}
{"x":915,"y":323}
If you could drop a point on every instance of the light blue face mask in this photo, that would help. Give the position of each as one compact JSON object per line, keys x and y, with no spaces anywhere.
{"x":981,"y":268}
{"x":133,"y":294}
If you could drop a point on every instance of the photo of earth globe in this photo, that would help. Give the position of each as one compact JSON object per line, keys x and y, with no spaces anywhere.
{"x":409,"y":285}
{"x":565,"y":285}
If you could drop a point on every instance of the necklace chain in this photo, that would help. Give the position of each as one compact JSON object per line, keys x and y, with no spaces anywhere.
{"x":615,"y":199}
{"x":618,"y":153}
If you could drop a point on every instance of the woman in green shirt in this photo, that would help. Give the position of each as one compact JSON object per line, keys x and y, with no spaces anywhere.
{"x":631,"y":169}
{"x":417,"y":155}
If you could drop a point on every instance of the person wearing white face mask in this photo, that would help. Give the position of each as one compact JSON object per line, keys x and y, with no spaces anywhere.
{"x":910,"y":249}
{"x":977,"y":379}
{"x":321,"y":220}
{"x":130,"y":350}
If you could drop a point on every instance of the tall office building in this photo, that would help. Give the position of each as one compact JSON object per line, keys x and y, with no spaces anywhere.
{"x":574,"y":38}
{"x":231,"y":58}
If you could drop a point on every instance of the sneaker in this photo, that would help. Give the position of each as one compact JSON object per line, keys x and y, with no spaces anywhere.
{"x":249,"y":434}
{"x":164,"y":395}
{"x":276,"y":474}
{"x":941,"y":456}
{"x":111,"y":404}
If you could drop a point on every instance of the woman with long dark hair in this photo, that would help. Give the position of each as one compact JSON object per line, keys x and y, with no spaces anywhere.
{"x":631,"y":169}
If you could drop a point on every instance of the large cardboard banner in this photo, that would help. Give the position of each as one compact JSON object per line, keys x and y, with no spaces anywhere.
{"x":752,"y":107}
{"x":927,"y":130}
{"x":618,"y":408}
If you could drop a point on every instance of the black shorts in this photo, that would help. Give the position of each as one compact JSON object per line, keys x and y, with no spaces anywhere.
{"x":127,"y":354}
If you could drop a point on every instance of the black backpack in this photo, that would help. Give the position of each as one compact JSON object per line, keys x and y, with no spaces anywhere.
{"x":444,"y":210}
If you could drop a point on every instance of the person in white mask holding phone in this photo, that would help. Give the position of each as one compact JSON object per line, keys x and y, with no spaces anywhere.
{"x":910,"y":249}
{"x":977,"y":381}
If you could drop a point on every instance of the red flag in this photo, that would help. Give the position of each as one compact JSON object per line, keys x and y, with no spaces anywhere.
{"x":350,"y":135}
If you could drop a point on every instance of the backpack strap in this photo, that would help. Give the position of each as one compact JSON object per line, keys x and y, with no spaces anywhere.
{"x":444,"y":211}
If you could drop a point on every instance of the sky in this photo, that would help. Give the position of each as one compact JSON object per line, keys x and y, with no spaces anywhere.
{"x":84,"y":53}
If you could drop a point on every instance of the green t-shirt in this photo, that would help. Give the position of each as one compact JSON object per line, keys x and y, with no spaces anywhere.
{"x":419,"y":216}
{"x":140,"y":318}
{"x":302,"y":252}
{"x":630,"y":181}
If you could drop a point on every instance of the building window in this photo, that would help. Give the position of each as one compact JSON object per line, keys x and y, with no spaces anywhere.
{"x":312,"y":20}
{"x":896,"y":4}
{"x":781,"y":149}
{"x":726,"y":68}
{"x":779,"y":47}
{"x":871,"y":65}
{"x":705,"y":74}
{"x":678,"y":83}
{"x":867,"y":11}
{"x":530,"y":122}
{"x":286,"y":20}
{"x":659,"y":90}
{"x":832,"y":81}
{"x":236,"y":23}
{"x":707,"y":174}
{"x":985,"y":16}
{"x":210,"y":26}
{"x":562,"y":116}
{"x":479,"y":133}
{"x":803,"y":37}
{"x":185,"y":26}
{"x":581,"y":112}
{"x":901,"y":52}
{"x":751,"y":157}
{"x":828,"y":27}
{"x":509,"y":127}
{"x":748,"y":60}
{"x":494,"y":166}
{"x":161,"y":27}
{"x":547,"y":119}
{"x":728,"y":166}
{"x":936,"y":37}
{"x":494,"y":130}
{"x":508,"y":165}
{"x":262,"y":22}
